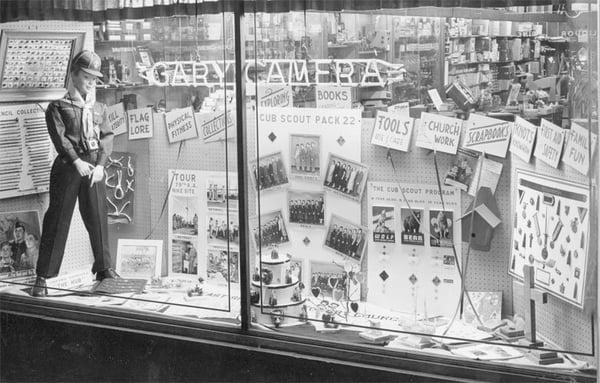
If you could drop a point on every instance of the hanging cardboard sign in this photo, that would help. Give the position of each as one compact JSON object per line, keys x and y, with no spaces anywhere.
{"x":392,"y":130}
{"x":439,"y":133}
{"x":402,"y":108}
{"x":487,"y":135}
{"x":577,"y":154}
{"x":212,"y":125}
{"x":334,"y":97}
{"x":117,"y":119}
{"x":140,"y":123}
{"x":523,"y":137}
{"x":550,"y":143}
{"x":180,"y":124}
{"x":275,"y":95}
{"x":436,"y":99}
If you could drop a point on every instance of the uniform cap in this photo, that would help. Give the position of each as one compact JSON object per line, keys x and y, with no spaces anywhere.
{"x":87,"y":61}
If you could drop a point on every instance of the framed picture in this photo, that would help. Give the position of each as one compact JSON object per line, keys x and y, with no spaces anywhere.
{"x":222,"y":267}
{"x":346,"y":238}
{"x":306,"y":207}
{"x":35,"y":65}
{"x":139,"y":258}
{"x":305,"y":156}
{"x":20,"y":233}
{"x":345,"y":177}
{"x":270,"y":172}
{"x":272,"y":231}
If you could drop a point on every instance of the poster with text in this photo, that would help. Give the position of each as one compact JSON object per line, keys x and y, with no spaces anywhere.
{"x":523,"y":138}
{"x":416,"y":275}
{"x":180,"y":124}
{"x":392,"y":130}
{"x":577,"y":149}
{"x":275,"y":96}
{"x":183,"y":219}
{"x":550,"y":140}
{"x":487,"y":135}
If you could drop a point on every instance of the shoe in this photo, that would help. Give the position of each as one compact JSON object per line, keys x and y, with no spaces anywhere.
{"x":39,"y":289}
{"x":106,"y":273}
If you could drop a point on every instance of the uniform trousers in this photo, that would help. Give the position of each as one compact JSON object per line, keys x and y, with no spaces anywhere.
{"x":66,"y":187}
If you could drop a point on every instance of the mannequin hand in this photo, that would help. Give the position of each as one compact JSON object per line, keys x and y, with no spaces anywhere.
{"x":83,"y":168}
{"x":97,"y":175}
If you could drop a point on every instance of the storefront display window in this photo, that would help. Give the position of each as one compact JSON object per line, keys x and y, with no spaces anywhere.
{"x":394,"y":181}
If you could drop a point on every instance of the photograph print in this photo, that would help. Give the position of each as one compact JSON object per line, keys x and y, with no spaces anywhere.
{"x":184,"y":257}
{"x":327,"y":280}
{"x":218,"y":192}
{"x":306,"y":208}
{"x":412,"y":232}
{"x":270,"y":171}
{"x":346,"y":238}
{"x":272,"y":231}
{"x":19,"y":241}
{"x":345,"y":177}
{"x":305,"y":155}
{"x":461,"y":173}
{"x":184,"y":216}
{"x":222,"y":266}
{"x":384,"y":224}
{"x":220,"y":232}
{"x":441,"y":228}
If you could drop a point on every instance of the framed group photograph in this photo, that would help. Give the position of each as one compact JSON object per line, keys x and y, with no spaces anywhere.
{"x":306,"y":207}
{"x":346,"y":238}
{"x":272,"y":230}
{"x":139,"y":258}
{"x":35,"y":65}
{"x":220,"y":231}
{"x":345,"y":177}
{"x":305,"y":156}
{"x":269,"y":172}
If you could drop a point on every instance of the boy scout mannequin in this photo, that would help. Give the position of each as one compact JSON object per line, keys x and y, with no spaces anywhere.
{"x":83,"y":140}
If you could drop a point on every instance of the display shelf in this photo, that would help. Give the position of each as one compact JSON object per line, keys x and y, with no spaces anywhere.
{"x":492,"y":62}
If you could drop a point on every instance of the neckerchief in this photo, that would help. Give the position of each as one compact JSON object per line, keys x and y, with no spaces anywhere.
{"x":87,"y":116}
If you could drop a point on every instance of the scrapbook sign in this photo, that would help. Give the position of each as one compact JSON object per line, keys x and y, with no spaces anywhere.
{"x":577,"y":153}
{"x":180,"y":125}
{"x":523,"y":137}
{"x":392,"y":130}
{"x":550,"y":143}
{"x":140,"y":123}
{"x":335,"y":97}
{"x":117,"y":119}
{"x":274,"y":95}
{"x":487,"y":135}
{"x":439,"y":133}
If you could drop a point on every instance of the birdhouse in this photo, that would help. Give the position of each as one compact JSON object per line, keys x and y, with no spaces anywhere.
{"x":485,"y":220}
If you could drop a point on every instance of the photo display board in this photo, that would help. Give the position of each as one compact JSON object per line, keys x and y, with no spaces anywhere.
{"x":551,"y":233}
{"x":411,"y":264}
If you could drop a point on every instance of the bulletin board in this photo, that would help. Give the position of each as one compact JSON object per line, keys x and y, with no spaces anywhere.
{"x":35,"y":65}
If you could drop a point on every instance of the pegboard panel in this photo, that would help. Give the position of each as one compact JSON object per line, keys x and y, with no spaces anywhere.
{"x":559,"y":322}
{"x":195,"y":155}
{"x":487,"y":271}
{"x":78,"y":252}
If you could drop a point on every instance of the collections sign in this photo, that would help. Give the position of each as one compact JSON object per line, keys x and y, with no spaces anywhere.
{"x":117,"y":119}
{"x":523,"y":137}
{"x":140,"y":123}
{"x":180,"y":124}
{"x":392,"y":130}
{"x":439,"y":133}
{"x":550,"y":143}
{"x":212,"y":125}
{"x":487,"y":135}
{"x":334,"y":97}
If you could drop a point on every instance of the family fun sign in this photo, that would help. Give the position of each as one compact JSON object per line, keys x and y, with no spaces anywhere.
{"x":348,"y":72}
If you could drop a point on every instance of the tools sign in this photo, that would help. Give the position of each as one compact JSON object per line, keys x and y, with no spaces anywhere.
{"x":119,"y":178}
